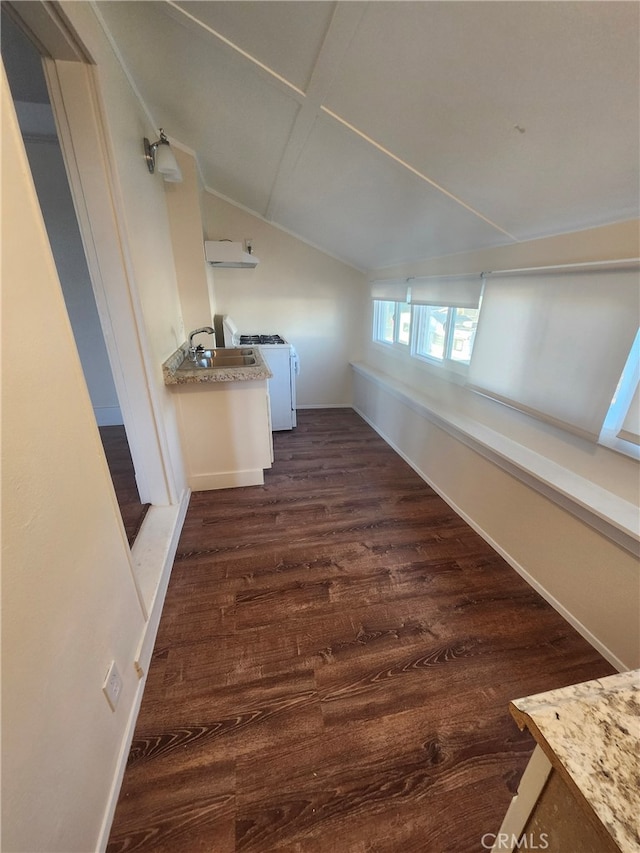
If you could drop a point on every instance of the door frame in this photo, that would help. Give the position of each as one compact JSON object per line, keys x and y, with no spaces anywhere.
{"x":82,"y":128}
{"x":77,"y":109}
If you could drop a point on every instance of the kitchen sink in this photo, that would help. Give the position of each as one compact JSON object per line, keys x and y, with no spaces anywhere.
{"x":219,"y":358}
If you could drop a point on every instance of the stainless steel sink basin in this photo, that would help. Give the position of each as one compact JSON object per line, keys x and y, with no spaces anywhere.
{"x":232,"y":361}
{"x":219,"y":358}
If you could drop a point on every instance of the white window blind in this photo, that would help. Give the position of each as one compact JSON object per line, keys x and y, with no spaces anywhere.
{"x":554,"y":343}
{"x":391,"y":290}
{"x":453,"y":291}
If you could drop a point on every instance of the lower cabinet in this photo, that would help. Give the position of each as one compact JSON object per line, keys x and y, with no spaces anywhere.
{"x":225,"y":433}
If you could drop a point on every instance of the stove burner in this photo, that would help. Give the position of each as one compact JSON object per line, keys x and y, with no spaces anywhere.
{"x":260,"y":339}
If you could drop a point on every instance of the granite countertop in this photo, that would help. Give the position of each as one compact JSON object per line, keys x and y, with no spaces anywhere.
{"x":174,"y":374}
{"x":591,"y":734}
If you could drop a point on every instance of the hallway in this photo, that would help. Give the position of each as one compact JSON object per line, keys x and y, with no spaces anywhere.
{"x":334,"y":665}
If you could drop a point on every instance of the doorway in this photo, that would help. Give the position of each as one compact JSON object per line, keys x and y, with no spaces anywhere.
{"x":23,"y":65}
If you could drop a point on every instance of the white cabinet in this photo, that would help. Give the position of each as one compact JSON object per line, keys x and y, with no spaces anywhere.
{"x":225,"y":433}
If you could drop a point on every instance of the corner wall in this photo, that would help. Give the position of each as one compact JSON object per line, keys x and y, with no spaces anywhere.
{"x":313,"y":300}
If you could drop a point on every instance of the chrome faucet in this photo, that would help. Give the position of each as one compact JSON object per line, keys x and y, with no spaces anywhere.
{"x":193,"y":350}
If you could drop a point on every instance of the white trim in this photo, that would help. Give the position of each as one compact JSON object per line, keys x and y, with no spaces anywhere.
{"x":226,"y":479}
{"x":613,"y":434}
{"x":531,"y":786}
{"x":161,"y":530}
{"x":325,"y":406}
{"x":200,"y":27}
{"x":402,"y":269}
{"x":594,"y":266}
{"x":125,"y":746}
{"x":423,"y":177}
{"x":548,"y":597}
{"x":156,"y":544}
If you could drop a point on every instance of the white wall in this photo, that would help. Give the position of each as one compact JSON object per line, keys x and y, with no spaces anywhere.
{"x":584,"y":573}
{"x":185,"y":217}
{"x":296,"y":291}
{"x":69,"y":601}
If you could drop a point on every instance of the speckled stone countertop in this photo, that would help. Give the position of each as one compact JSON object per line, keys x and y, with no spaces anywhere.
{"x":591,"y":734}
{"x":175,"y":375}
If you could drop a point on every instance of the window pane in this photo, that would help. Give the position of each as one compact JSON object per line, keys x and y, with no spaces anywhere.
{"x":404,"y":322}
{"x":383,"y":321}
{"x":431,"y":332}
{"x":465,"y":322}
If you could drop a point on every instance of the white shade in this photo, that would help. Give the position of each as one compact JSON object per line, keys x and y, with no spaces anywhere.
{"x":454,"y":291}
{"x":555,"y":344}
{"x":167,"y":164}
{"x":389,"y":290}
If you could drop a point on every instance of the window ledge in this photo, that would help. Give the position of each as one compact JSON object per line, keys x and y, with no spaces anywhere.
{"x":610,"y":439}
{"x":610,"y":514}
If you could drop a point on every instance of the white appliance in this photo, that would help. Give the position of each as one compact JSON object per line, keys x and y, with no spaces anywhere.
{"x":283,"y":362}
{"x":225,"y":253}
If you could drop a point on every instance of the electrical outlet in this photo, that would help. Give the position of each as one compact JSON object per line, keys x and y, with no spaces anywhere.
{"x":112,"y":687}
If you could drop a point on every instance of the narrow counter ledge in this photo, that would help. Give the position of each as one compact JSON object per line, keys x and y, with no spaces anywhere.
{"x":176,"y":374}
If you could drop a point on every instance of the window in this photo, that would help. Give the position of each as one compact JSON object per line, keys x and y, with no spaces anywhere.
{"x":436,"y":333}
{"x":621,"y":428}
{"x":444,"y":333}
{"x":391,"y":322}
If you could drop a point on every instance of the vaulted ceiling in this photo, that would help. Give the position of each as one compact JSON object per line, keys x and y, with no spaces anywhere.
{"x":385,"y":132}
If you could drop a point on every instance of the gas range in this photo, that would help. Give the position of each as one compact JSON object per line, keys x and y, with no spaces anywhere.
{"x":245,"y":340}
{"x":231,"y":337}
{"x":282,"y":360}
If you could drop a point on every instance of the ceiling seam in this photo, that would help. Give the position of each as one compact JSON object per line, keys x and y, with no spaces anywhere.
{"x":342,"y":28}
{"x":236,"y":48}
{"x":415,"y":171}
{"x":311,"y":106}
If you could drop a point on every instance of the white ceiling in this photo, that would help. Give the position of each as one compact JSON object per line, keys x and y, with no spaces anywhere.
{"x":385,"y":132}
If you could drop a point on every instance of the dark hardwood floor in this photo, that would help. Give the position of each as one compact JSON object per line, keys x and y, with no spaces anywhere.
{"x":334,"y":665}
{"x":116,"y":448}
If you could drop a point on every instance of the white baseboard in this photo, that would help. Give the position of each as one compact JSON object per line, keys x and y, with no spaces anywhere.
{"x":226,"y":480}
{"x":541,"y":590}
{"x":326,"y":406}
{"x":162,"y":535}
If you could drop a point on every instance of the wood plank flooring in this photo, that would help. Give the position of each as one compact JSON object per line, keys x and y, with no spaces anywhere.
{"x":116,"y":448}
{"x":334,"y":665}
